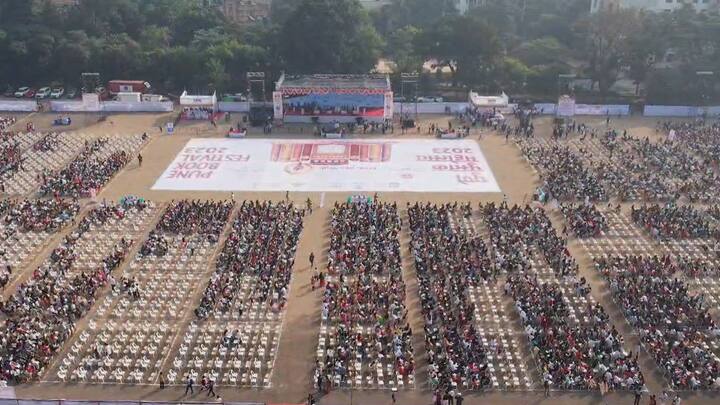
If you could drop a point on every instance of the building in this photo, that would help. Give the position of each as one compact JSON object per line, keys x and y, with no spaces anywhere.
{"x":462,"y":6}
{"x":654,"y":5}
{"x":374,"y":4}
{"x":62,"y":3}
{"x":245,"y":11}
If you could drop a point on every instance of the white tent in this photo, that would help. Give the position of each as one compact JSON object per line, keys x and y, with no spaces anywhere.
{"x":479,"y":101}
{"x":198,"y":107}
{"x":189,"y":100}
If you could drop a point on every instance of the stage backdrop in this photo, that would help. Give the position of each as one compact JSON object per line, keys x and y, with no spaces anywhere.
{"x":337,"y":165}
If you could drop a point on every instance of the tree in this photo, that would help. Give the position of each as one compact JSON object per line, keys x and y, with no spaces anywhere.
{"x":329,"y":36}
{"x":217,"y":77}
{"x":400,"y":47}
{"x":418,"y":13}
{"x":541,"y":51}
{"x":606,"y":34}
{"x":468,"y":46}
{"x":73,"y":56}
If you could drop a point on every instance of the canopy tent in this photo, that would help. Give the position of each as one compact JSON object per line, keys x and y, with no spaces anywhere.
{"x":189,"y":100}
{"x":479,"y":101}
{"x":197,"y":107}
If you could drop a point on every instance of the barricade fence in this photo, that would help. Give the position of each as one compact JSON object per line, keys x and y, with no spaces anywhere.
{"x":18,"y":105}
{"x":75,"y":402}
{"x":542,"y":108}
{"x":112,"y":106}
{"x":680,"y":111}
{"x":234,"y":106}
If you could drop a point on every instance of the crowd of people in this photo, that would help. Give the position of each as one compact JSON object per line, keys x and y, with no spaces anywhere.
{"x":365,"y":289}
{"x":701,"y":138}
{"x":585,"y":220}
{"x":5,"y":123}
{"x":88,"y":171}
{"x":671,"y":221}
{"x":260,"y":247}
{"x":186,"y":218}
{"x":565,"y":176}
{"x":516,"y":233}
{"x":49,"y":142}
{"x":628,"y":167}
{"x":356,"y":230}
{"x":197,"y":113}
{"x":31,"y":216}
{"x":674,"y":326}
{"x":10,"y":156}
{"x":36,"y":215}
{"x":41,"y":315}
{"x":447,"y":263}
{"x":573,"y":356}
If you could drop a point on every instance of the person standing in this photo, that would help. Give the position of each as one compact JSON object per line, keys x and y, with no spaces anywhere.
{"x":312,"y":259}
{"x":139,"y":157}
{"x":638,"y":395}
{"x":189,"y":385}
{"x":546,"y":384}
{"x":203,"y":383}
{"x":162,"y":382}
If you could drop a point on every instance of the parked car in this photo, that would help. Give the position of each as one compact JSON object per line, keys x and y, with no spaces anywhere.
{"x":429,"y":99}
{"x":22,"y":92}
{"x":42,"y":93}
{"x":71,"y":93}
{"x":57,"y":92}
{"x":30,"y":93}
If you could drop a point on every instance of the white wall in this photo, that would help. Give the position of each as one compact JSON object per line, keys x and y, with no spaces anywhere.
{"x":234,"y":106}
{"x":18,"y":105}
{"x":112,"y":106}
{"x":680,"y":111}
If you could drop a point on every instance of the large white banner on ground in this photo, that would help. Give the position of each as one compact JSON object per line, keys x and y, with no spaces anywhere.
{"x":385,"y":165}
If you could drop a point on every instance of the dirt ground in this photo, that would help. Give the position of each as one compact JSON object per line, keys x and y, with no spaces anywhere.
{"x":294,"y":362}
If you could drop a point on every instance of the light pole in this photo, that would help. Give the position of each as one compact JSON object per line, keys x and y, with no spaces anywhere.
{"x":564,"y":79}
{"x":704,"y":77}
{"x":255,"y":77}
{"x":411,"y":78}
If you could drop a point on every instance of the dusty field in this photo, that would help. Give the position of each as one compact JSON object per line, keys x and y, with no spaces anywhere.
{"x":291,"y":380}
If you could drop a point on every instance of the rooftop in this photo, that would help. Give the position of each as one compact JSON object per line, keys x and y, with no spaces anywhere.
{"x":335,"y":81}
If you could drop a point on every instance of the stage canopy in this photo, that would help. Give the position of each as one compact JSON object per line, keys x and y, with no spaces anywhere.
{"x":189,"y":100}
{"x":479,"y":101}
{"x":333,"y":98}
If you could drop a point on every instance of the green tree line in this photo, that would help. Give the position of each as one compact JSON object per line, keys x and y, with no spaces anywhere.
{"x":520,"y":46}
